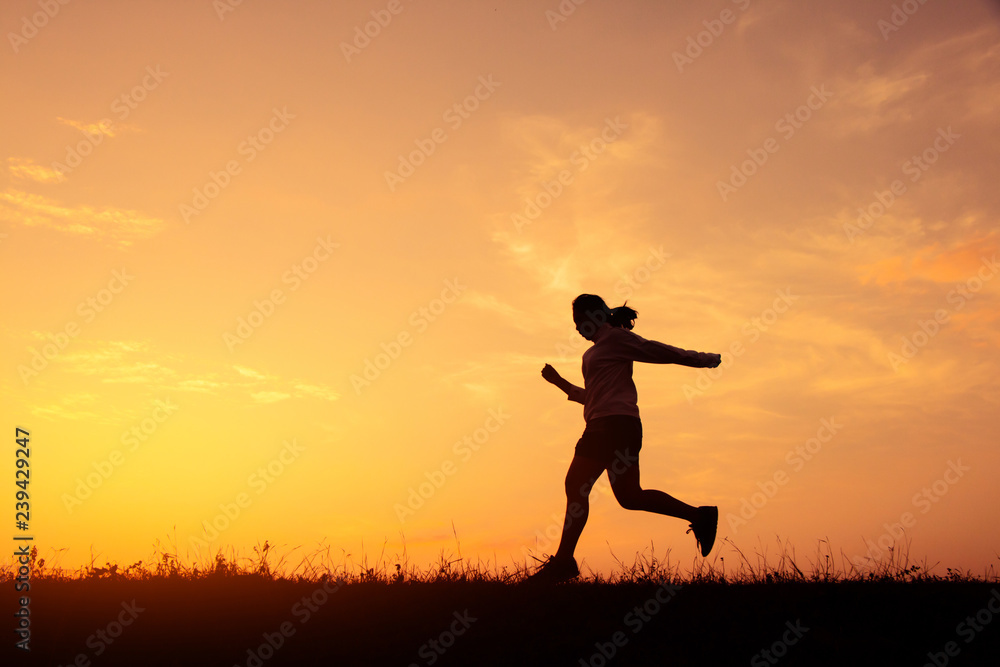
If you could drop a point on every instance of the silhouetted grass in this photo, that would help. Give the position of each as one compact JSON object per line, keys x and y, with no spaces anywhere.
{"x":374,"y":610}
{"x":269,"y":563}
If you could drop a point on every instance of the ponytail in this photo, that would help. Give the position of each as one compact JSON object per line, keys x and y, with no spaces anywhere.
{"x":593,"y":307}
{"x":623,"y":317}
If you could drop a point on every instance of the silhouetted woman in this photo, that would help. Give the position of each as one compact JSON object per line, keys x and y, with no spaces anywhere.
{"x":613,"y":435}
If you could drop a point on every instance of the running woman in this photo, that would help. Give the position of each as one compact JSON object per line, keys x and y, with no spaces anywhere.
{"x":613,"y":434}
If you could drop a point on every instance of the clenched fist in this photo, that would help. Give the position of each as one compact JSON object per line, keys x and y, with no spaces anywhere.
{"x":550,"y":374}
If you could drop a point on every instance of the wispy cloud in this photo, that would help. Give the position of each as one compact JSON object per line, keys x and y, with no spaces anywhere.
{"x":26,"y":169}
{"x":269,"y":396}
{"x":873,"y":100}
{"x":80,"y":406}
{"x":489,"y":302}
{"x":139,"y":363}
{"x":249,"y":372}
{"x":118,"y":226}
{"x":102,"y":127}
{"x":316,"y":391}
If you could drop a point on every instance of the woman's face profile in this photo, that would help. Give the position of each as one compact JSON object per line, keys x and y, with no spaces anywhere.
{"x":585,"y":326}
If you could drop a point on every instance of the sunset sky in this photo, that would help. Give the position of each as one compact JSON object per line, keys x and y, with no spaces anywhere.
{"x":258,"y":262}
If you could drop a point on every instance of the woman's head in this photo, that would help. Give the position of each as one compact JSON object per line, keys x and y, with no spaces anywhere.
{"x":590,"y":312}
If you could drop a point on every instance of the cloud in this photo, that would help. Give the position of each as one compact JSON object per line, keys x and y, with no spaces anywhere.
{"x":877,"y":100}
{"x":26,"y":169}
{"x":202,"y":386}
{"x":249,"y":372}
{"x":570,"y":214}
{"x":489,"y":302}
{"x":138,"y":363}
{"x":316,"y":391}
{"x":931,"y":263}
{"x":105,"y":126}
{"x":120,"y":227}
{"x":81,"y":406}
{"x":952,"y":77}
{"x":270,"y":396}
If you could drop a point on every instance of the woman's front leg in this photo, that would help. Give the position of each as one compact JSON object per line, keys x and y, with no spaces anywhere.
{"x":583,"y":473}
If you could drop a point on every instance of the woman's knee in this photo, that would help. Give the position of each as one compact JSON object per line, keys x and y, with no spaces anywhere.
{"x":578,"y":488}
{"x":581,"y":478}
{"x":631,"y":499}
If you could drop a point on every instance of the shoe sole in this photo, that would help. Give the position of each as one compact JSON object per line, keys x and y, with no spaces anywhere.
{"x":713,"y":515}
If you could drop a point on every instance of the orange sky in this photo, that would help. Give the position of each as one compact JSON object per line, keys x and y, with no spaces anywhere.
{"x":259,"y":263}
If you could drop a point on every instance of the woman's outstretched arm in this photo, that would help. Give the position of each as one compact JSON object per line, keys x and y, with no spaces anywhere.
{"x":573,"y":392}
{"x":638,"y":348}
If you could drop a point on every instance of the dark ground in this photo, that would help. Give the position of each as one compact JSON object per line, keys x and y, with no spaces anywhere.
{"x":223,"y":622}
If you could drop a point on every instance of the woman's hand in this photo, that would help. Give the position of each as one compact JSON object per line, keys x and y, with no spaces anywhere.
{"x":550,"y":374}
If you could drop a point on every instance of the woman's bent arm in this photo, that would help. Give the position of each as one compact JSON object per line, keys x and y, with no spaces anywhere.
{"x":573,"y":392}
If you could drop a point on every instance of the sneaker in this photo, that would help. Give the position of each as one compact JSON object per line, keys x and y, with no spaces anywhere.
{"x":555,"y":570}
{"x":704,"y":528}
